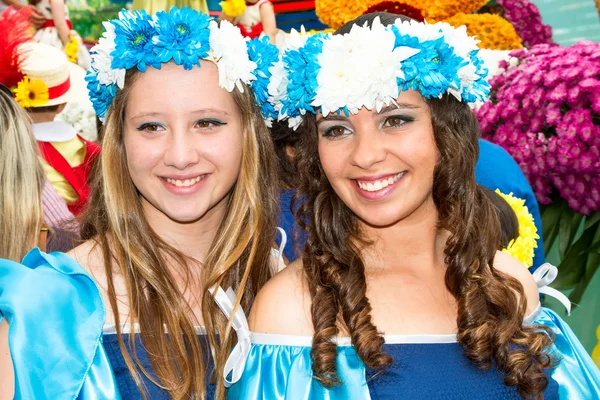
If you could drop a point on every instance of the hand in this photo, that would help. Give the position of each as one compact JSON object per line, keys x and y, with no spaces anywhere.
{"x":36,"y":17}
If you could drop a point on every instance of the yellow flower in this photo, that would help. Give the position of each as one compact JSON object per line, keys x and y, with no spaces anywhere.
{"x":233,"y":8}
{"x":596,"y":351}
{"x":522,"y":248}
{"x":31,"y":93}
{"x":437,"y":10}
{"x":336,"y":13}
{"x":72,"y":49}
{"x":492,"y":30}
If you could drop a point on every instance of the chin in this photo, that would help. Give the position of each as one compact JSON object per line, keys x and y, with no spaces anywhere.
{"x":183,"y":217}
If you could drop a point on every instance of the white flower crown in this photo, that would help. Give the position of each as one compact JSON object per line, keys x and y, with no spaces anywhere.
{"x":369,"y":67}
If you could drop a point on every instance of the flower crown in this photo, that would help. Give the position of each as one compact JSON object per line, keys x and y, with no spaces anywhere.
{"x":523,"y":247}
{"x":183,"y":36}
{"x":370,"y":66}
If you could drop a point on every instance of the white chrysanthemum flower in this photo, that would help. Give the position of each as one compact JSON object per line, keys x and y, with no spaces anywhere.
{"x":277,"y":87}
{"x":458,"y":39}
{"x":356,"y":74}
{"x":229,"y":50}
{"x":295,"y":40}
{"x":420,"y":30}
{"x":295,"y":122}
{"x":102,"y":59}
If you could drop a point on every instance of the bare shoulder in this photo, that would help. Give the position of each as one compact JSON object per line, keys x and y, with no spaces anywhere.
{"x":283,"y":304}
{"x":89,"y":256}
{"x":507,"y":264}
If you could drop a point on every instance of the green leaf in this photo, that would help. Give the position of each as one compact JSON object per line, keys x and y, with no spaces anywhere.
{"x":577,"y":293}
{"x":591,"y":220}
{"x":572,"y":269}
{"x":595,"y":248}
{"x":550,"y":223}
{"x":566,"y":229}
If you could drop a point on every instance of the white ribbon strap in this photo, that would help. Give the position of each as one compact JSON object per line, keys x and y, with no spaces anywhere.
{"x":544,"y":276}
{"x":278,"y":254}
{"x":237,"y":359}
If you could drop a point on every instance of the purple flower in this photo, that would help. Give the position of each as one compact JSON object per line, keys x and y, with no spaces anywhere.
{"x":559,"y":93}
{"x":545,"y":113}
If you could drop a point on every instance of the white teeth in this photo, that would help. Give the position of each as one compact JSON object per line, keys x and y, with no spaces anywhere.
{"x":378,"y":185}
{"x":186,"y":182}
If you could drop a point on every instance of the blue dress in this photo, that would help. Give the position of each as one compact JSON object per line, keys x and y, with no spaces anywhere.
{"x":58,"y":342}
{"x":277,"y":367}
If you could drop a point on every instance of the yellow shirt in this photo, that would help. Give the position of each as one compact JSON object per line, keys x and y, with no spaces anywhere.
{"x":74,"y":152}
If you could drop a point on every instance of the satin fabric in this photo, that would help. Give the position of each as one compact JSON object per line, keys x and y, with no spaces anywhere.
{"x":56,"y":315}
{"x":277,"y":372}
{"x":285,"y":372}
{"x":576,"y":374}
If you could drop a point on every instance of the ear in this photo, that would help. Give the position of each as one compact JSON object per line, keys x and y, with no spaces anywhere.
{"x":61,"y":108}
{"x":290,"y":152}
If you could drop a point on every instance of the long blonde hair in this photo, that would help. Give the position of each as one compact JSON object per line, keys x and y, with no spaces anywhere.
{"x":239,"y":255}
{"x":21,"y":182}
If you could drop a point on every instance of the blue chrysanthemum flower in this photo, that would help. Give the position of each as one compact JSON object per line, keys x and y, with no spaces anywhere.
{"x":182,"y":35}
{"x":409,"y":66}
{"x":101,"y":96}
{"x":437,"y":69}
{"x":480,"y":88}
{"x":302,"y":67}
{"x":133,"y":41}
{"x":264,"y":54}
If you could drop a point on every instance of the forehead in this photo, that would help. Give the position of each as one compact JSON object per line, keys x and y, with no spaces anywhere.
{"x":410,"y":99}
{"x":174,"y":89}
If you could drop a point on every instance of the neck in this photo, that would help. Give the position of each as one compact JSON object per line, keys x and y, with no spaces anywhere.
{"x":413,"y":244}
{"x":194,"y":239}
{"x":42,"y":117}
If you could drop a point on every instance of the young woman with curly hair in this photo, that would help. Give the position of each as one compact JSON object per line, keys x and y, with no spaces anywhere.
{"x":401,"y":292}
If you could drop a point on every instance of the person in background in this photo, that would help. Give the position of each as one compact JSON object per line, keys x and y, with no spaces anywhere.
{"x":57,"y":31}
{"x":31,"y":213}
{"x":284,"y":141}
{"x":496,"y":169}
{"x":35,"y":16}
{"x":255,"y":18}
{"x":43,"y":92}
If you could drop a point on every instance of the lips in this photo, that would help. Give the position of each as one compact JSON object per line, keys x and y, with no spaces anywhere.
{"x":375,"y":185}
{"x":185,"y":182}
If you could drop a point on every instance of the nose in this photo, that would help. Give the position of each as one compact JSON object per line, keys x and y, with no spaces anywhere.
{"x":369,"y":147}
{"x":181,"y":151}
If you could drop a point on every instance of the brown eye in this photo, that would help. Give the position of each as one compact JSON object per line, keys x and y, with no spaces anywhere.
{"x":394,"y":122}
{"x":209,"y":123}
{"x":397,"y":121}
{"x":336,"y":131}
{"x":151,"y":127}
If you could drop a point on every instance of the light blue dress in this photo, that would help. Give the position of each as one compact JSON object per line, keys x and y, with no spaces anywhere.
{"x":277,"y":367}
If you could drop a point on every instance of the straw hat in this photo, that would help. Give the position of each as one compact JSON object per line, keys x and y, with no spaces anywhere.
{"x":42,"y":62}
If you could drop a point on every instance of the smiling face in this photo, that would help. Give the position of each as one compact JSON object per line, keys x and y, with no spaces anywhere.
{"x":381,"y":164}
{"x":183,"y":138}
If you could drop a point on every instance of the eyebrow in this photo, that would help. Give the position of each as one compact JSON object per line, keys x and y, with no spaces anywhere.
{"x":388,"y":108}
{"x":199,"y":111}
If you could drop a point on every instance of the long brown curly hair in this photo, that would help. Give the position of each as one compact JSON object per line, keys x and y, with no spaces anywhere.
{"x":490,"y":314}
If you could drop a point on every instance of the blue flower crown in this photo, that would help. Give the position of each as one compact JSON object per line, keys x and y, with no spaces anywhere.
{"x":183,"y":36}
{"x":370,"y":66}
